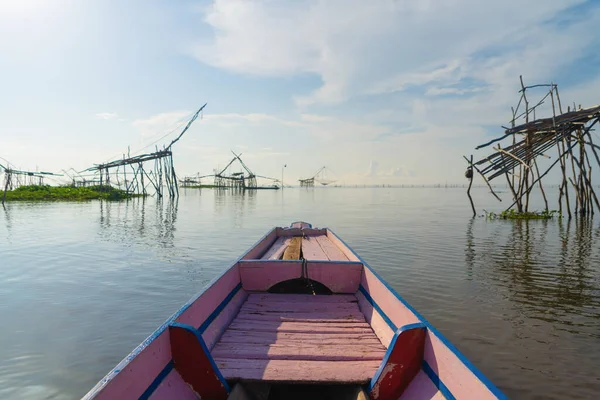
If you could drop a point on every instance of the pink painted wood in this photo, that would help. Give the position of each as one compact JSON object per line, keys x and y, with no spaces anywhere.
{"x":300,"y":298}
{"x":461,"y":382}
{"x":338,"y":277}
{"x":422,"y":388}
{"x":333,"y":252}
{"x":299,"y":337}
{"x":276,"y":251}
{"x":173,"y":387}
{"x":294,"y":371}
{"x":200,"y":309}
{"x":135,"y":375}
{"x":300,"y":351}
{"x":337,"y":241}
{"x":333,"y":329}
{"x":378,"y":324}
{"x":218,"y":326}
{"x":257,"y":251}
{"x":303,"y":317}
{"x":314,"y":327}
{"x":311,"y":249}
{"x":312,"y":307}
{"x":261,"y":275}
{"x":387,"y":301}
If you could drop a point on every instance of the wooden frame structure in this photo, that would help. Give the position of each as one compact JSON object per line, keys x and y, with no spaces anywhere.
{"x":568,"y":132}
{"x":161,"y":174}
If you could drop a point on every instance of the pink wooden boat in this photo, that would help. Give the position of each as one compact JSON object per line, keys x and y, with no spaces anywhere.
{"x":298,"y":313}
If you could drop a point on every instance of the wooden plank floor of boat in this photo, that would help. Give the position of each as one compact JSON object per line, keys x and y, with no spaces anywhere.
{"x":296,"y":338}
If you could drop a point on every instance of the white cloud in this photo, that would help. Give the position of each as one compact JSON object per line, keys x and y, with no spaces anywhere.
{"x":107,"y":115}
{"x":359,"y":47}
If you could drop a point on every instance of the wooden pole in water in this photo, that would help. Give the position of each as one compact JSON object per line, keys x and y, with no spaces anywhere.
{"x":471,"y":183}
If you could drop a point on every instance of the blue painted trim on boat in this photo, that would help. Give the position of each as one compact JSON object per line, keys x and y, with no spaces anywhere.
{"x":390,"y":348}
{"x":437,"y":381}
{"x":198,"y":335}
{"x":491,"y":387}
{"x":377,"y":308}
{"x":254,"y":261}
{"x":157,"y":381}
{"x":100,"y":385}
{"x":219,"y":308}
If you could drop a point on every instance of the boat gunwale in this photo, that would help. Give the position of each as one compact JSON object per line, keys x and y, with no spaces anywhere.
{"x":162,"y":328}
{"x":478,"y":374}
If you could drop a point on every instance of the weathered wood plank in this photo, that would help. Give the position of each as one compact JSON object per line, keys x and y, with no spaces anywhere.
{"x":331,"y":250}
{"x":311,"y":250}
{"x":275,"y":252}
{"x":303,"y":298}
{"x":262,"y":246}
{"x":315,"y":327}
{"x":289,"y":338}
{"x":300,"y":351}
{"x":294,"y":371}
{"x":329,"y":316}
{"x":299,"y":307}
{"x":292,"y":252}
{"x":338,"y":242}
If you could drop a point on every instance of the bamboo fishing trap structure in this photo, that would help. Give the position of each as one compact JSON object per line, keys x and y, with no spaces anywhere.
{"x":321,"y":176}
{"x":139,"y":173}
{"x":244,"y":179}
{"x":566,"y":134}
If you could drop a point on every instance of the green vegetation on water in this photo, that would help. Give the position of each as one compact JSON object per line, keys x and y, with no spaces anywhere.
{"x":70,"y":193}
{"x":512,"y":214}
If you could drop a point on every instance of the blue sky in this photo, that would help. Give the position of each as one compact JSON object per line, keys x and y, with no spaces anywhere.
{"x":381,"y":92}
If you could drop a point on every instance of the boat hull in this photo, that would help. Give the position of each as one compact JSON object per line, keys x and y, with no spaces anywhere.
{"x":346,"y":327}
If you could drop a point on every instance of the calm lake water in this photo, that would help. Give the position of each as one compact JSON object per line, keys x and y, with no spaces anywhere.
{"x":82,"y":284}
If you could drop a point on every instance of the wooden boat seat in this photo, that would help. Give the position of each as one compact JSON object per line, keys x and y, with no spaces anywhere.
{"x":296,"y":338}
{"x":314,"y":248}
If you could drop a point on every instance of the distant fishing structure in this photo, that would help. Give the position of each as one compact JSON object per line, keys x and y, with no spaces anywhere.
{"x":320,"y":176}
{"x":567,"y":133}
{"x":243,"y":179}
{"x":13,"y":178}
{"x":159,"y":175}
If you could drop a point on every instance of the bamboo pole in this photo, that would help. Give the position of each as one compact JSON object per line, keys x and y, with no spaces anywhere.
{"x":469,"y":188}
{"x":540,"y":184}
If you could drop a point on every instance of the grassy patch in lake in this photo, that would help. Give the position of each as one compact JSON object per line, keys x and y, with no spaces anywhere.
{"x":512,"y":214}
{"x":69,"y":193}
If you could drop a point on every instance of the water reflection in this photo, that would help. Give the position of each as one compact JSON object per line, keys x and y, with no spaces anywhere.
{"x":235,"y":203}
{"x":548,"y":269}
{"x":149,"y":222}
